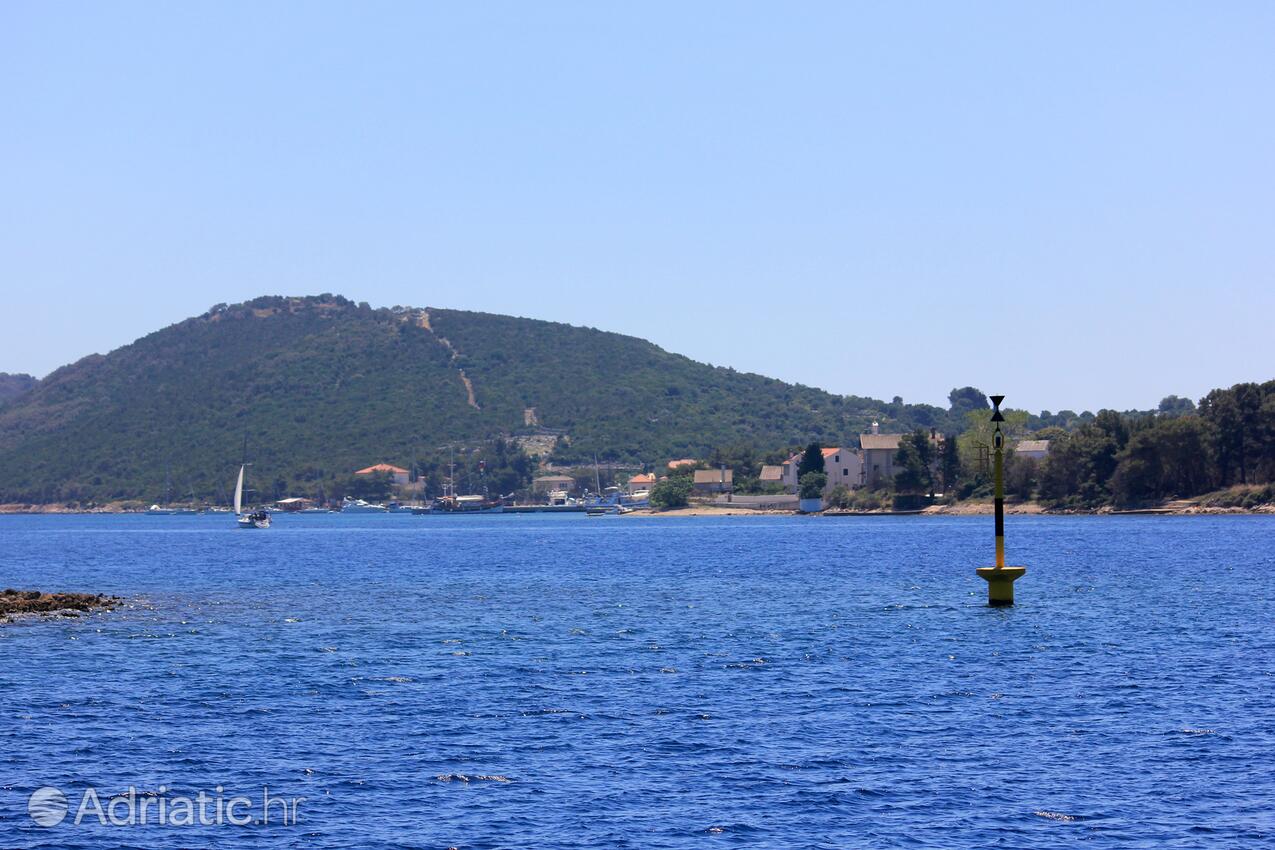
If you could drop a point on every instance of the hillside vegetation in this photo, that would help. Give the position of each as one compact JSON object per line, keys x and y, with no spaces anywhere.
{"x":320,"y":386}
{"x":12,"y":386}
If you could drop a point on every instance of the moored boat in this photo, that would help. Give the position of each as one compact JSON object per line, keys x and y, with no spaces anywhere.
{"x":608,"y":510}
{"x":359,"y":506}
{"x":450,"y":503}
{"x":467,"y":505}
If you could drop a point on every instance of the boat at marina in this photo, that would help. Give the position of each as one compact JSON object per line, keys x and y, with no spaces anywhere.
{"x":162,"y":510}
{"x":608,"y":510}
{"x":166,"y":507}
{"x":359,"y":506}
{"x":575,"y":508}
{"x":450,"y":503}
{"x":467,"y":505}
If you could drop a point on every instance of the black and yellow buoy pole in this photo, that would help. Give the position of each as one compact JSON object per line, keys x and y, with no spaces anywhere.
{"x":1000,"y":578}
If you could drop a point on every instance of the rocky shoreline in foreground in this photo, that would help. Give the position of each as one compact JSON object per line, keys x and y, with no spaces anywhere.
{"x":16,"y":602}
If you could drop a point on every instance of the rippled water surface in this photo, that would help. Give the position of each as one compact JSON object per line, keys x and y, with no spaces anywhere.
{"x":515,"y":681}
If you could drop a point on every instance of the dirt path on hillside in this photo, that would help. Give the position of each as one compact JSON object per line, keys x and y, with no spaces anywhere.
{"x":422,"y":321}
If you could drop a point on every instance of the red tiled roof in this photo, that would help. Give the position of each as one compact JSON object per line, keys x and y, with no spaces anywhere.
{"x":827,"y":453}
{"x":382,"y":467}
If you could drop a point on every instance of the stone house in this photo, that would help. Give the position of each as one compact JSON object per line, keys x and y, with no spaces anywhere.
{"x":709,"y":481}
{"x":878,"y":455}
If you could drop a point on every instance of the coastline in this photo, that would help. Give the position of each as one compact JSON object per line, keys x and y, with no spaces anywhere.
{"x":971,"y":508}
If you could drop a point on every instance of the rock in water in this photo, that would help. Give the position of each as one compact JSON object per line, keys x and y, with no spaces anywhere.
{"x":36,"y":602}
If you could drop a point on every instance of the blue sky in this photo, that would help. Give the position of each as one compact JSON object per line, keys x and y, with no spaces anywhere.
{"x":1072,"y":204}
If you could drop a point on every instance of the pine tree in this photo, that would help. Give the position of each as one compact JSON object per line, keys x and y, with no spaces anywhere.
{"x":913,"y":461}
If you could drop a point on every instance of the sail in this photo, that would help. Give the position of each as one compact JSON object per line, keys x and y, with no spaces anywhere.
{"x":239,"y":493}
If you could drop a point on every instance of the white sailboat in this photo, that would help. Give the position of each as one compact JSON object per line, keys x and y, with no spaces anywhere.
{"x":258,"y":519}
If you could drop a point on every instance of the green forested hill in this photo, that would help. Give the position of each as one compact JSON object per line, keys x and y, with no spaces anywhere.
{"x":12,"y":386}
{"x":322,"y":386}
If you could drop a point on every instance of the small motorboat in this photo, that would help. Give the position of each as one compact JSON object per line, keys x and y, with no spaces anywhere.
{"x":359,"y":506}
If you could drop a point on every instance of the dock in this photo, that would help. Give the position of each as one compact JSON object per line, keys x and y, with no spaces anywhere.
{"x":545,"y":509}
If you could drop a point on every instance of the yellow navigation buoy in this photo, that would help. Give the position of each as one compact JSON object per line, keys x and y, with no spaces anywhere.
{"x":1000,"y":578}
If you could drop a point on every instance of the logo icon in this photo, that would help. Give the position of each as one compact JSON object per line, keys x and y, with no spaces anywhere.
{"x":47,"y":806}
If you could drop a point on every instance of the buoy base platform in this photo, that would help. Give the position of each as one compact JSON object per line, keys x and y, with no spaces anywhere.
{"x":1000,"y":583}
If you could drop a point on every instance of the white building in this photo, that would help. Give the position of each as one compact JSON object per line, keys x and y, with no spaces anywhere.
{"x":640,"y":483}
{"x":398,"y":475}
{"x":843,"y":466}
{"x":1031,"y":449}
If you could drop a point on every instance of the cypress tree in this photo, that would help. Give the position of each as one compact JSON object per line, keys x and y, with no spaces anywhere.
{"x":811,"y":461}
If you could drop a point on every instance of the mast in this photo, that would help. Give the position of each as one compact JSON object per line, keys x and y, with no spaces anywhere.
{"x":243,"y":464}
{"x":451,"y":472}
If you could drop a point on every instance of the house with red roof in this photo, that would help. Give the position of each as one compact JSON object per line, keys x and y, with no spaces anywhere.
{"x":842,"y":465}
{"x":643,"y":481}
{"x":398,"y":474}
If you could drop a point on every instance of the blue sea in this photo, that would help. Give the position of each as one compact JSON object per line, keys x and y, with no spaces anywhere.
{"x":623,"y":682}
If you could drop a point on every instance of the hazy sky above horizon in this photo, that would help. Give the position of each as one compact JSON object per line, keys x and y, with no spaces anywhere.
{"x":1072,"y":204}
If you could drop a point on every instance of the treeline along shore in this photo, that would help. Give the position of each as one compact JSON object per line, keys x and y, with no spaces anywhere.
{"x":315,"y":391}
{"x":1217,"y":456}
